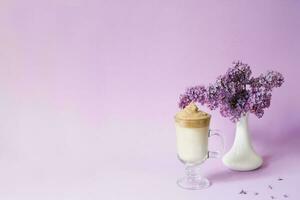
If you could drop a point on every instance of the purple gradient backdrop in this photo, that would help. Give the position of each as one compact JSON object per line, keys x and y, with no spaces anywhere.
{"x":89,"y":90}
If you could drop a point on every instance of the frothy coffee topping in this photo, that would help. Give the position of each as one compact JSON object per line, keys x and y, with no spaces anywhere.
{"x":192,"y":112}
{"x":191,"y":116}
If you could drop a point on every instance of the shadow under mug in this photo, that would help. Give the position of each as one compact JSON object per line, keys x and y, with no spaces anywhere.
{"x":192,"y":150}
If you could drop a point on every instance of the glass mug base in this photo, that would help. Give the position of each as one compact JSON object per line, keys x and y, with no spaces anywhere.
{"x":193,"y":183}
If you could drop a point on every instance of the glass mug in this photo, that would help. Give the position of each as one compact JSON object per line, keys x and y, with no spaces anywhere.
{"x":192,"y":134}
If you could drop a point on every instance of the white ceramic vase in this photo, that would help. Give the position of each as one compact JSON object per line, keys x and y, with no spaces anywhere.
{"x":241,"y":156}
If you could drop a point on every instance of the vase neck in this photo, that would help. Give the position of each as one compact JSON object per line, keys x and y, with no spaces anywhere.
{"x":243,"y":121}
{"x":242,"y":132}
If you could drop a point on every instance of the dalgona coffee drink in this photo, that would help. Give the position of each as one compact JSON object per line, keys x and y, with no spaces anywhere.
{"x":192,"y":129}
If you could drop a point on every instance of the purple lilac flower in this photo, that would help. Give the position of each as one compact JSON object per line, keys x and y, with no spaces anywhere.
{"x":236,"y":93}
{"x":193,"y":94}
{"x":212,"y":97}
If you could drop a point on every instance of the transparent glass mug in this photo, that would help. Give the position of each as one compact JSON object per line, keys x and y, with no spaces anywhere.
{"x":192,"y":149}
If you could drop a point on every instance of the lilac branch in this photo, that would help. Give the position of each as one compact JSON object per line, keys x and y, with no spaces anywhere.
{"x":235,"y":93}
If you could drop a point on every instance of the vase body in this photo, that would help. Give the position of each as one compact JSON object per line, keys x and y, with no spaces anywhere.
{"x":241,"y":156}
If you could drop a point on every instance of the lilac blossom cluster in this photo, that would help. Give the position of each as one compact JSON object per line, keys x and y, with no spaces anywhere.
{"x":235,"y":93}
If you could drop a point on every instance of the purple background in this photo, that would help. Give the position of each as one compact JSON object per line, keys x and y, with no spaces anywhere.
{"x":89,"y":90}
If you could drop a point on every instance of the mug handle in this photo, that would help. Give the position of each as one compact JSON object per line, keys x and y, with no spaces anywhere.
{"x":216,"y":154}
